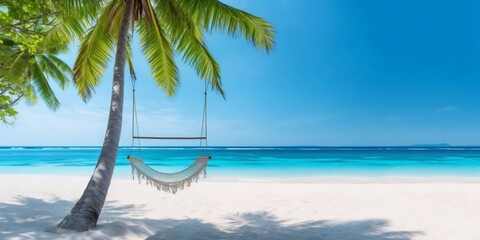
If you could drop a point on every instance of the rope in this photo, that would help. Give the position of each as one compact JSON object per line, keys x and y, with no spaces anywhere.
{"x":204,"y":118}
{"x":135,"y":120}
{"x":169,"y":182}
{"x":203,"y":131}
{"x":133,"y":114}
{"x":138,"y":131}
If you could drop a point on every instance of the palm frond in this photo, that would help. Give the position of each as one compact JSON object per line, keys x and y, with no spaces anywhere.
{"x":94,"y":53}
{"x":129,"y":56}
{"x":82,"y":9}
{"x":30,"y":95}
{"x":54,"y":71}
{"x":66,"y":30}
{"x":116,"y":18}
{"x":175,"y":18}
{"x":63,"y":66}
{"x":214,"y":14}
{"x":159,"y":53}
{"x":16,"y":66}
{"x":188,"y":39}
{"x":7,"y":41}
{"x":43,"y":87}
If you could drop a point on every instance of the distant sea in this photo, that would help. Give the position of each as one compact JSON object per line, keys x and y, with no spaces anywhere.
{"x":257,"y":163}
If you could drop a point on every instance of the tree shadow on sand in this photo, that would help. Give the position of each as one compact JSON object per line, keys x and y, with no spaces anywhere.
{"x":262,"y":225}
{"x":28,"y":218}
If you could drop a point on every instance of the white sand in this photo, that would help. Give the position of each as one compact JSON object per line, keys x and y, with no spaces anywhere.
{"x":29,"y":204}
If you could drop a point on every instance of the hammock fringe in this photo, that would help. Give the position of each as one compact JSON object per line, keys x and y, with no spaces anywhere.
{"x":168,"y":186}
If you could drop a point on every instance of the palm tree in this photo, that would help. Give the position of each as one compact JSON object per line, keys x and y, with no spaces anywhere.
{"x":32,"y":33}
{"x":164,"y":27}
{"x":28,"y":73}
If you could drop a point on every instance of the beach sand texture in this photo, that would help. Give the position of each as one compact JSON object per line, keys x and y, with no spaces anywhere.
{"x":30,"y":204}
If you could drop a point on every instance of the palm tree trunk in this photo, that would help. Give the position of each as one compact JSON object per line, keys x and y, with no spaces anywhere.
{"x":85,"y":213}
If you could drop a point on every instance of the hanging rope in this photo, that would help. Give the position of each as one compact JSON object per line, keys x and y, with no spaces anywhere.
{"x":135,"y":119}
{"x":135,"y":127}
{"x":169,"y":182}
{"x":204,"y":117}
{"x":133,"y":113}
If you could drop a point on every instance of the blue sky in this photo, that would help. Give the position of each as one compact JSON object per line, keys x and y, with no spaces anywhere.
{"x":343,"y":72}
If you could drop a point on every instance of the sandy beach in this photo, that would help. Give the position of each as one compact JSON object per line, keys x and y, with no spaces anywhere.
{"x":32,"y":204}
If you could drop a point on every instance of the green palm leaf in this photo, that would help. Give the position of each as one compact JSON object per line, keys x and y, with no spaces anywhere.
{"x":16,"y":66}
{"x":117,"y":17}
{"x":213,"y":14}
{"x":188,"y":39}
{"x":95,"y":52}
{"x":41,"y":84}
{"x":129,"y":56}
{"x":63,"y":66}
{"x":54,"y":71}
{"x":67,"y":30}
{"x":159,"y":53}
{"x":82,"y":9}
{"x":30,"y":94}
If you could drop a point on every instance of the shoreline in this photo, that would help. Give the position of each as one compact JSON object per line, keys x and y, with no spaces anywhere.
{"x":333,"y":179}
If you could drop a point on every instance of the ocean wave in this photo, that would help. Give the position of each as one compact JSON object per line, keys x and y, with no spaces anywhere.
{"x":84,"y":148}
{"x":156,"y":148}
{"x":460,"y":149}
{"x":260,"y":148}
{"x":349,"y":149}
{"x":245,"y":148}
{"x":21,"y":148}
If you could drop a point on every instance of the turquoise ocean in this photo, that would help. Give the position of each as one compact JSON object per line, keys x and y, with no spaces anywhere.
{"x":256,"y":162}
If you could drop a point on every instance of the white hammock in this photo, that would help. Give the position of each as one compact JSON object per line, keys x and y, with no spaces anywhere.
{"x":169,"y":182}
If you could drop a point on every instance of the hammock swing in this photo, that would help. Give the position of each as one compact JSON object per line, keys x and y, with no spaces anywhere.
{"x":169,"y":182}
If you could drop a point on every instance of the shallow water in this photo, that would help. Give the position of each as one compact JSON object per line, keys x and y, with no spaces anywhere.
{"x":257,"y":162}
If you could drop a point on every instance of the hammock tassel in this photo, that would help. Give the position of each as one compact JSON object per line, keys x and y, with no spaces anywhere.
{"x":169,"y":182}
